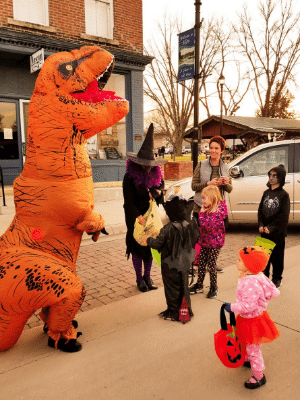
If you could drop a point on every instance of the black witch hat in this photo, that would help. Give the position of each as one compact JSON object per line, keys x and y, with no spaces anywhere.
{"x":145,"y":156}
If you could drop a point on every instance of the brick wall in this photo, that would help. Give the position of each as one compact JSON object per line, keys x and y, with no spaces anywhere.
{"x":6,"y":7}
{"x":128,"y":16}
{"x":175,"y":171}
{"x":68,"y":19}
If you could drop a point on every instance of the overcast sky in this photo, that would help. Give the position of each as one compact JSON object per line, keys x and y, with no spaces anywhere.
{"x":153,"y":10}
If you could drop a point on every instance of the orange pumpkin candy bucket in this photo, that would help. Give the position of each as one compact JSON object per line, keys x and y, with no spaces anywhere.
{"x":227,"y":345}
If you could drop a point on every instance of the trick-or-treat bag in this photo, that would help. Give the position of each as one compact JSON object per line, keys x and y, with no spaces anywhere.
{"x":152,"y":226}
{"x":227,"y":345}
{"x":265,"y":243}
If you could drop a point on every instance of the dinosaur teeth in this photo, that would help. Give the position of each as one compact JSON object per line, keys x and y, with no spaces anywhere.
{"x":107,"y":70}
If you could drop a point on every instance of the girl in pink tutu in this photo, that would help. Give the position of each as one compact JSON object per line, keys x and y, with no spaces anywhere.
{"x":253,"y":324}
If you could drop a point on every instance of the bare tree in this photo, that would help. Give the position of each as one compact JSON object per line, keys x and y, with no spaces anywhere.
{"x":237,"y":88}
{"x":172,"y":101}
{"x":213,"y":50}
{"x":281,"y":103}
{"x":271,"y":45}
{"x":234,"y":92}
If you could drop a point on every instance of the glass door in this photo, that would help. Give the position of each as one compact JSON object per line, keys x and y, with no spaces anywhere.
{"x":10,"y":140}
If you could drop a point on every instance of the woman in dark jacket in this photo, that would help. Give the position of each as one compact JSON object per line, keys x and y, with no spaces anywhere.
{"x":143,"y":181}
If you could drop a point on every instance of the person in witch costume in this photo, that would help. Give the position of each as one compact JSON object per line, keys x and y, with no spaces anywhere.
{"x":176,"y":242}
{"x":142,"y":181}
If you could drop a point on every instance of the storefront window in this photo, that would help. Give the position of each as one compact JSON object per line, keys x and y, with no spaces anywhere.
{"x":111,"y":143}
{"x":8,"y":132}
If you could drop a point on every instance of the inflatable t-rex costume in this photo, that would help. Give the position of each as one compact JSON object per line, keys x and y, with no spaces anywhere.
{"x":54,"y":196}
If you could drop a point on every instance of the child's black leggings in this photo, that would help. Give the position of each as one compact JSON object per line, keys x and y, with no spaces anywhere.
{"x":277,"y":256}
{"x":208,"y":258}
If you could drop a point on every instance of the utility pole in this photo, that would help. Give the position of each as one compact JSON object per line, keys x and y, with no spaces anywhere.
{"x":196,"y":135}
{"x":221,"y":83}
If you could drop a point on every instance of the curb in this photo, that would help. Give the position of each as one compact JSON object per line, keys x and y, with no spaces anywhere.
{"x":114,"y":232}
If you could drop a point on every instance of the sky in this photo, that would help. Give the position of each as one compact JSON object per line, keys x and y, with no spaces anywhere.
{"x":154,"y":9}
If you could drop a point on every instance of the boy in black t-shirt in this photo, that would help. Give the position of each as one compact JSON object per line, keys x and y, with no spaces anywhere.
{"x":273,"y":217}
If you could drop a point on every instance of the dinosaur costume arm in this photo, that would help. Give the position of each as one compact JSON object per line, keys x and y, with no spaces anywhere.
{"x":92,"y":222}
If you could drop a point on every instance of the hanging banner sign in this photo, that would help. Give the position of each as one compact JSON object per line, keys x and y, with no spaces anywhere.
{"x":37,"y":60}
{"x":186,"y":56}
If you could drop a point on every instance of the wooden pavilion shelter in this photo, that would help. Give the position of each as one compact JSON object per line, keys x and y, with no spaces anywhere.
{"x":250,"y":130}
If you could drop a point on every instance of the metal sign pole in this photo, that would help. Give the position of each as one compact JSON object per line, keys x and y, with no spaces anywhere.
{"x":196,"y":85}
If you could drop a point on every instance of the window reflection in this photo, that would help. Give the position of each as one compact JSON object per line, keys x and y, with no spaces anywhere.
{"x":262,"y":162}
{"x":111,"y":143}
{"x":9,"y":149}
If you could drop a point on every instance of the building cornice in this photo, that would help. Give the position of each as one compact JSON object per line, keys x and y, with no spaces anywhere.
{"x":27,"y":43}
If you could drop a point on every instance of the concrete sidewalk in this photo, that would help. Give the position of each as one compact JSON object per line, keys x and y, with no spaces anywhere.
{"x":129,"y":353}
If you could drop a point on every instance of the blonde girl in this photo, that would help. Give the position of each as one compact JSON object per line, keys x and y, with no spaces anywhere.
{"x":211,"y":239}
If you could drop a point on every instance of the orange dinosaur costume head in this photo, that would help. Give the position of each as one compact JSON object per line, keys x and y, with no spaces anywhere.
{"x":54,"y":194}
{"x":67,"y":107}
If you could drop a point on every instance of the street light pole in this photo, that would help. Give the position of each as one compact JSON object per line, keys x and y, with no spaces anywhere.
{"x":221,"y":83}
{"x":196,"y":86}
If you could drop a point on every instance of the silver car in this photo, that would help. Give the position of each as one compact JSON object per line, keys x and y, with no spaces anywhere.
{"x":249,"y":179}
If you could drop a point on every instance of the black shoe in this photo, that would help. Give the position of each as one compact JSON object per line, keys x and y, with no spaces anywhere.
{"x":149,"y":283}
{"x":142,"y":286}
{"x":257,"y":384}
{"x":196,"y":288}
{"x":71,"y":347}
{"x":277,"y":282}
{"x":171,"y":315}
{"x":247,"y":364}
{"x":212,"y":293}
{"x":74,"y":323}
{"x":219,"y":269}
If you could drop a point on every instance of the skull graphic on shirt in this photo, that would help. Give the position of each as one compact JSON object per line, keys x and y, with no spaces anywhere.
{"x":271,"y":204}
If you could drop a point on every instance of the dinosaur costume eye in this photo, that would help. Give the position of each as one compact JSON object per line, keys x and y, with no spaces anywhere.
{"x":68,"y":69}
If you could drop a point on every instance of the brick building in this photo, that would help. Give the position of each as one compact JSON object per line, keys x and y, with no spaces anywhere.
{"x":27,"y":26}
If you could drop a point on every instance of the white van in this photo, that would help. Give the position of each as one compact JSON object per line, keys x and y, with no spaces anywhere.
{"x":249,"y":179}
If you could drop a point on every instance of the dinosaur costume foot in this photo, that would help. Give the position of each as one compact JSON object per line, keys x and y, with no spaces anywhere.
{"x":74,"y":323}
{"x":72,"y":346}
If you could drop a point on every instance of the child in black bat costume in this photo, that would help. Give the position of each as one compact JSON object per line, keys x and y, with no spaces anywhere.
{"x":273,"y":217}
{"x":176,"y":242}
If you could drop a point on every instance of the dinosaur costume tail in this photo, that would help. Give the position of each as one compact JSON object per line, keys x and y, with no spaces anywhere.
{"x":37,"y":280}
